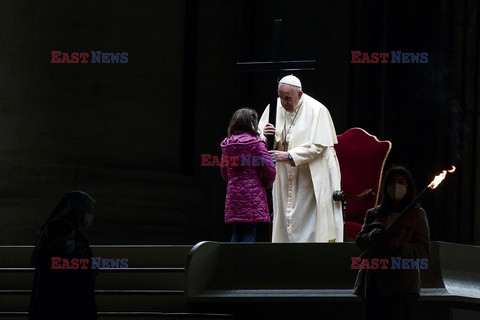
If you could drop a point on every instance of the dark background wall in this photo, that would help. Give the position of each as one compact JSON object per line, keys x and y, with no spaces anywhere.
{"x":132,"y":134}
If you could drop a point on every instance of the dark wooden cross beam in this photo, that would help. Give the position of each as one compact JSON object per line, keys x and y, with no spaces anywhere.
{"x":275,"y":65}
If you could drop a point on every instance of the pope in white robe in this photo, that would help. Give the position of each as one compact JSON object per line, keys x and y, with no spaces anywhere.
{"x":307,"y":168}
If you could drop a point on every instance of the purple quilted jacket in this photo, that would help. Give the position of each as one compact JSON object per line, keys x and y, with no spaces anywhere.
{"x":248,"y":170}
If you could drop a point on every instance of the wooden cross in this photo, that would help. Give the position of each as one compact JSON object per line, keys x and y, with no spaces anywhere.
{"x":275,"y":66}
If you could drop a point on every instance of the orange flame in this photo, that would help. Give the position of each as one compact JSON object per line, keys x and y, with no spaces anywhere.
{"x":438,"y":179}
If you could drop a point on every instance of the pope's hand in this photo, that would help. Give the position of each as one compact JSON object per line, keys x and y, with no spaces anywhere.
{"x":278,"y":156}
{"x":269,"y":130}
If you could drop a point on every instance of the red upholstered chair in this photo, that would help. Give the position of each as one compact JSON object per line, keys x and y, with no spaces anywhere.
{"x":362,"y":158}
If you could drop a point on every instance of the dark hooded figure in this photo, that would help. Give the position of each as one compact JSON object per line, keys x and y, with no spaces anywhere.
{"x":64,"y":283}
{"x":390,"y":291}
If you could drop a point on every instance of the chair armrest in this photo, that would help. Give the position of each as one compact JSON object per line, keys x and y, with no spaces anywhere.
{"x":340,"y":195}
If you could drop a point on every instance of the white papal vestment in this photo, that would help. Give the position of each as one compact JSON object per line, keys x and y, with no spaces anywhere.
{"x":303,"y":207}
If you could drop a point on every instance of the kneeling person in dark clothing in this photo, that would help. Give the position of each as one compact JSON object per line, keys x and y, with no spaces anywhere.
{"x":62,"y":289}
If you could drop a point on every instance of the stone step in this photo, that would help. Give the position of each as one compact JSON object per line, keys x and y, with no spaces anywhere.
{"x":107,"y":300}
{"x":133,"y":316}
{"x":138,"y":255}
{"x":113,"y":279}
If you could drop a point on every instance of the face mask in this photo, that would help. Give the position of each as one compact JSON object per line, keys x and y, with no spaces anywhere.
{"x":70,"y":246}
{"x":396,"y":191}
{"x":87,"y":221}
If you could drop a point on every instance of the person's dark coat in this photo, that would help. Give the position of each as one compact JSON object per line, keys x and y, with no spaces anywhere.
{"x":413,"y":233}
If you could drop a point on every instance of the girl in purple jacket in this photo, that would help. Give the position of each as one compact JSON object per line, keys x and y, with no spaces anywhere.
{"x":249,"y":170}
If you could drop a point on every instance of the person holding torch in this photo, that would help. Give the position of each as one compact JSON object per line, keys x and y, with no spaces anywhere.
{"x":396,"y":228}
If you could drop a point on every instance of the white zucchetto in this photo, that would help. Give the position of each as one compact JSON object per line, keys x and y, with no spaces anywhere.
{"x":291,"y":80}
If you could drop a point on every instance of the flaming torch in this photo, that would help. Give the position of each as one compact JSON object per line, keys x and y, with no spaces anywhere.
{"x":435,"y":182}
{"x":438,"y":179}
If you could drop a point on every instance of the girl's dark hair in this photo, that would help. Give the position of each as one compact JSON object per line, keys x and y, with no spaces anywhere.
{"x":385,"y":201}
{"x":244,"y":120}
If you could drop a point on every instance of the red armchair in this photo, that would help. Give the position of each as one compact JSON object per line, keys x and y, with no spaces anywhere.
{"x":362,"y":158}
